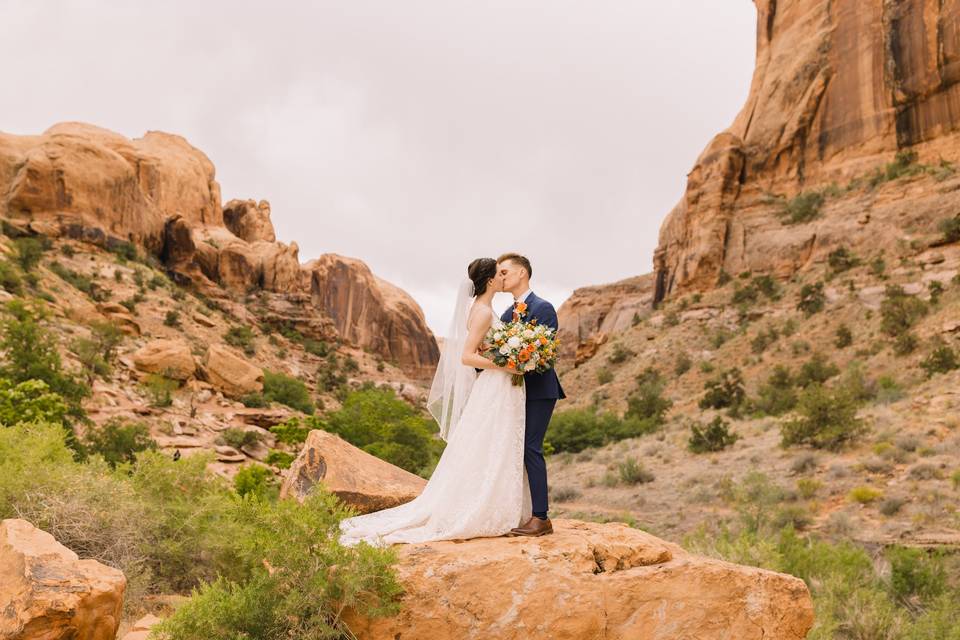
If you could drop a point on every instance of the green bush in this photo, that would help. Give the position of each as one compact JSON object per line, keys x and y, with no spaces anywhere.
{"x":620,"y":354}
{"x":124,"y":250}
{"x":279,"y":387}
{"x":827,"y":419}
{"x":172,"y":319}
{"x":10,"y":280}
{"x":842,"y":259}
{"x":280,"y":459}
{"x":118,"y":441}
{"x":682,"y":364}
{"x":28,"y":351}
{"x":292,"y":431}
{"x":578,"y":429}
{"x":254,"y":480}
{"x":159,"y":389}
{"x":812,"y":299}
{"x":632,"y":472}
{"x":803,"y":207}
{"x":816,"y":370}
{"x":646,"y":403}
{"x":767,"y":285}
{"x":604,"y":376}
{"x":716,"y":436}
{"x":777,"y":395}
{"x":237,"y":438}
{"x":97,"y":352}
{"x":844,"y":337}
{"x":941,"y":360}
{"x":764,"y":339}
{"x":30,"y":401}
{"x":724,"y":392}
{"x":29,"y":251}
{"x":950,"y":228}
{"x":172,"y":527}
{"x":899,"y":311}
{"x":241,"y":337}
{"x":382,"y":424}
{"x":905,"y":344}
{"x":79,"y":281}
{"x":254,"y":400}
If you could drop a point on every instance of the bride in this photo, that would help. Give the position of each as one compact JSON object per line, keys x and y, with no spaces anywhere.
{"x":479,"y":487}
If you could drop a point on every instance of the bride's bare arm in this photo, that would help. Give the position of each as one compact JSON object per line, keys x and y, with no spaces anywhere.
{"x":479,"y":325}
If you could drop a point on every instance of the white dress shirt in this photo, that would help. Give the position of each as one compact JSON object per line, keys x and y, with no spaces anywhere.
{"x":523,"y":296}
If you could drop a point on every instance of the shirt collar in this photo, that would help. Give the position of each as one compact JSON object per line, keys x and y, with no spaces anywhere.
{"x":523,"y":296}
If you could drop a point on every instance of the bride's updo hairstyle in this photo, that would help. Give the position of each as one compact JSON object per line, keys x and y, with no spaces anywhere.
{"x":481,"y":271}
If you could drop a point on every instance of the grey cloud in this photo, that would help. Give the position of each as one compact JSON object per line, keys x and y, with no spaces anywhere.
{"x":413,"y":134}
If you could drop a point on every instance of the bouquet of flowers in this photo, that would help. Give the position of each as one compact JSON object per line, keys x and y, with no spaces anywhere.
{"x":522,"y":347}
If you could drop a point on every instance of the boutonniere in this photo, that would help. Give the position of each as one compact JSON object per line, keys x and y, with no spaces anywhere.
{"x":519,"y":310}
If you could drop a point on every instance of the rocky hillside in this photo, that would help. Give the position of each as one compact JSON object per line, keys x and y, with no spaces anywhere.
{"x":159,"y":193}
{"x":176,"y":307}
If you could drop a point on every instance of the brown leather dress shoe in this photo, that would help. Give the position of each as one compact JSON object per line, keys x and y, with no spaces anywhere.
{"x":533,"y":527}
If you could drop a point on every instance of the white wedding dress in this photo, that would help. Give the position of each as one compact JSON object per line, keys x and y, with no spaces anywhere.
{"x":479,"y":487}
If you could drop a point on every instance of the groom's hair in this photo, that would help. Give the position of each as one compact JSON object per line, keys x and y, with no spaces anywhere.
{"x":519,"y":259}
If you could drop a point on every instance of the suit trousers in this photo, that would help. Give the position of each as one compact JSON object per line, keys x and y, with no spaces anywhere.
{"x":538,"y":417}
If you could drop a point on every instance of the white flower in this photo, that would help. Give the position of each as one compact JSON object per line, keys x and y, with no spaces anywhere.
{"x":530,"y":366}
{"x":498,"y":335}
{"x":514,"y":342}
{"x":528,"y":334}
{"x":505,"y":350}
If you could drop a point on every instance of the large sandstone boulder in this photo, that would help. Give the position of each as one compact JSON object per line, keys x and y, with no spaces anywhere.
{"x":586,"y":581}
{"x":249,"y":220}
{"x":372,"y":313}
{"x":356,"y":477}
{"x":838,"y":89}
{"x":48,"y":593}
{"x":172,"y":358}
{"x":230,"y":373}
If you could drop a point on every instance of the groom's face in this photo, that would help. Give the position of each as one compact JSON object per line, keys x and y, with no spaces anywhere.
{"x":510,"y":273}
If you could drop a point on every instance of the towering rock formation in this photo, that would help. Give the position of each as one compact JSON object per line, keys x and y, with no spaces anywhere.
{"x":839,"y":87}
{"x":160,"y":193}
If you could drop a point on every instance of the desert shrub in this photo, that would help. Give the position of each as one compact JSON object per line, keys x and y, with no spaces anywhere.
{"x":777,"y":395}
{"x":646,"y":403}
{"x":724,"y":392}
{"x":715,"y":436}
{"x":563,"y":494}
{"x":767,"y":285}
{"x":864,"y":494}
{"x":925,"y":471}
{"x":28,"y":351}
{"x":764,"y":339}
{"x":172,"y":318}
{"x":808,"y":487}
{"x":816,"y":370}
{"x":891,"y":506}
{"x":79,"y":281}
{"x":578,"y":429}
{"x":620,"y":354}
{"x":745,"y":295}
{"x":29,"y":251}
{"x":842,"y":259}
{"x":382,"y":424}
{"x":941,"y":360}
{"x":905,"y":344}
{"x":254,"y":480}
{"x":916,"y":573}
{"x":10,"y":280}
{"x":318,"y":348}
{"x":632,"y":472}
{"x":682,"y":364}
{"x":237,"y":438}
{"x":287,"y":390}
{"x":30,"y":401}
{"x":118,"y":441}
{"x":123,"y":249}
{"x":950,"y":228}
{"x":899,"y":311}
{"x":241,"y":337}
{"x":280,"y":459}
{"x":254,"y":400}
{"x":827,"y":419}
{"x":803,"y":207}
{"x":291,"y":432}
{"x":604,"y":376}
{"x":935,"y":288}
{"x":159,"y":389}
{"x":812,"y":299}
{"x":805,"y":462}
{"x":97,"y":352}
{"x":844,"y":337}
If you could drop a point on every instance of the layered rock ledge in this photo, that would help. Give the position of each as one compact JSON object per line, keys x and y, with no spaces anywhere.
{"x":586,"y":581}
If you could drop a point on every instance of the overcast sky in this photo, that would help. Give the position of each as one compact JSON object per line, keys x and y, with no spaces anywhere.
{"x":413,"y":134}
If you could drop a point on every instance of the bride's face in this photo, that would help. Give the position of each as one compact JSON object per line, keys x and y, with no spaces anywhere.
{"x":495,"y":284}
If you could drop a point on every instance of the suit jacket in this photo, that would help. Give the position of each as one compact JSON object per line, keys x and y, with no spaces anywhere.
{"x":540,"y":386}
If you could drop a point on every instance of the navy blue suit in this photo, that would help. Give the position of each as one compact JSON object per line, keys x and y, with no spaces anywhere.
{"x":543,"y":391}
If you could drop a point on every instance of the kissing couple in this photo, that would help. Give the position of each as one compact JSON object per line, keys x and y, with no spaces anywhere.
{"x":492,"y":477}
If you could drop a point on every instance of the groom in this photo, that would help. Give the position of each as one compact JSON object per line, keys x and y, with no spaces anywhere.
{"x":543,"y":389}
